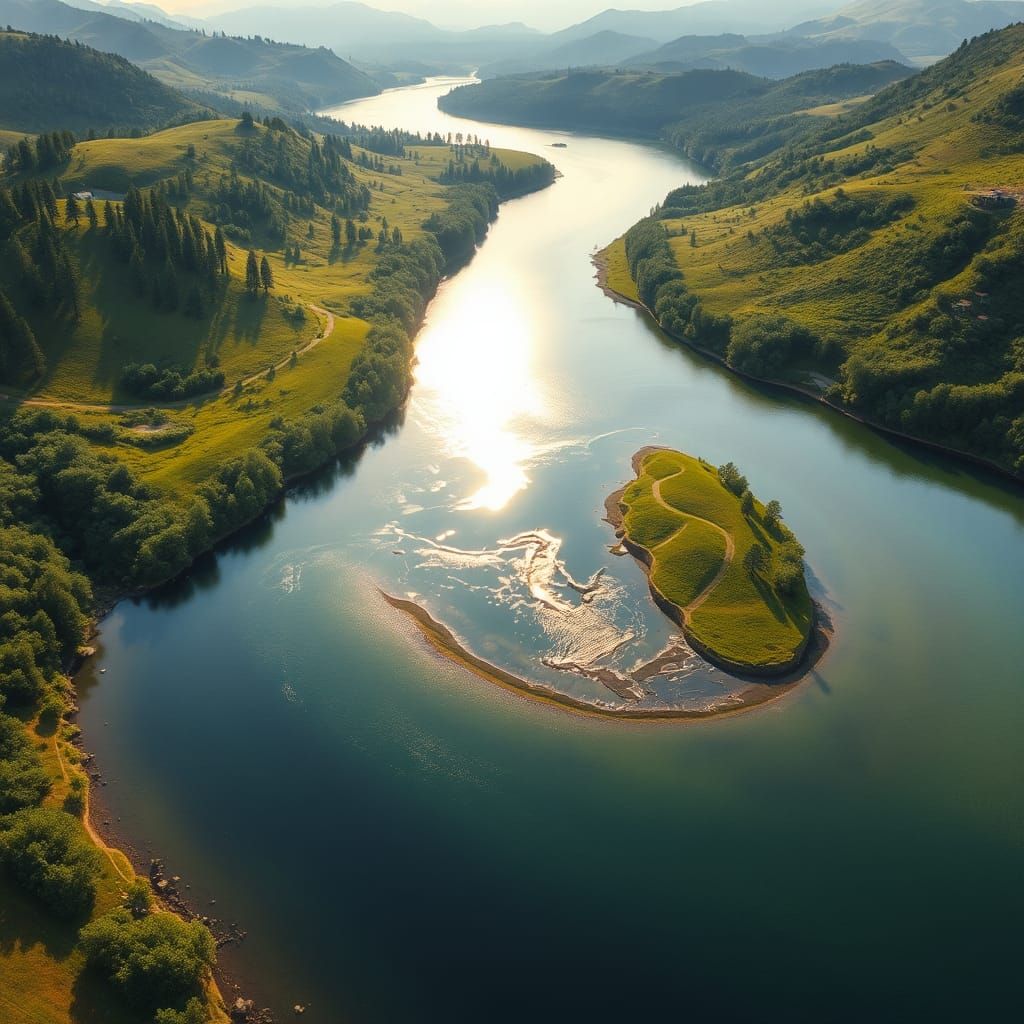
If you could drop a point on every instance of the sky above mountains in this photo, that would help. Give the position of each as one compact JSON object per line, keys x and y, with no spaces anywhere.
{"x":546,"y":15}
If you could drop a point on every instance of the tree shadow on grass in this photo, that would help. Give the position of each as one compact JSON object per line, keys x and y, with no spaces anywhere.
{"x":94,"y":1002}
{"x":24,"y":924}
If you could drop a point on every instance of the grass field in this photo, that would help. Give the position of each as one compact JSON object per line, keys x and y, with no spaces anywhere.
{"x":698,"y":537}
{"x":246,"y":335}
{"x":949,"y":154}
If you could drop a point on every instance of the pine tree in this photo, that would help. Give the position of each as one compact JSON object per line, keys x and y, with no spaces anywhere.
{"x":266,"y":274}
{"x":90,"y":213}
{"x":350,"y":233}
{"x":252,"y":273}
{"x":71,"y":210}
{"x":222,"y":251}
{"x":335,"y":231}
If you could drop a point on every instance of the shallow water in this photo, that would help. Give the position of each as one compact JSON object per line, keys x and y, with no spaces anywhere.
{"x":404,"y":841}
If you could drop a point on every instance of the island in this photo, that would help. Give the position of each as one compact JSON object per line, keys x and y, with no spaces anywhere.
{"x":719,"y":563}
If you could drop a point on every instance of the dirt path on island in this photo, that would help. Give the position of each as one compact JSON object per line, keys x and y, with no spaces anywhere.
{"x":56,"y":403}
{"x":730,"y":546}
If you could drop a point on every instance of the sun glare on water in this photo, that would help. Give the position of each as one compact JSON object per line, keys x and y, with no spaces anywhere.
{"x":475,"y":387}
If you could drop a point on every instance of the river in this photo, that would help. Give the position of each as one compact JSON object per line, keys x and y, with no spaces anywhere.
{"x":404,"y":841}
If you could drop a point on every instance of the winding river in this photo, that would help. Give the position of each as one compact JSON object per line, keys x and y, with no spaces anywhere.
{"x":404,"y":841}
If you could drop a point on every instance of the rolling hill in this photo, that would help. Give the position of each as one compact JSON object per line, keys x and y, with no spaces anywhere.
{"x":672,"y":104}
{"x":876,"y":260}
{"x":49,"y":85}
{"x":918,"y":28}
{"x":275,"y":76}
{"x":775,"y":59}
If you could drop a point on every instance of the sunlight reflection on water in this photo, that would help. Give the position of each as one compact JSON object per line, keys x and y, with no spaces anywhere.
{"x":476,"y":387}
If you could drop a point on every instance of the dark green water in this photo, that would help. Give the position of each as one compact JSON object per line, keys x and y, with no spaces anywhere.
{"x":405,"y":842}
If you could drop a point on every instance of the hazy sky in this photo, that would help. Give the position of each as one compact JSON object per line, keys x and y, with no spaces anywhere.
{"x":543,"y":14}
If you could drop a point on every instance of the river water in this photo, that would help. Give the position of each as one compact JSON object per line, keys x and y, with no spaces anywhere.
{"x":404,"y":841}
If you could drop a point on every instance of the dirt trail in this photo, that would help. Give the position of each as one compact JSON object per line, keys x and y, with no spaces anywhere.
{"x":56,"y":403}
{"x":730,"y":546}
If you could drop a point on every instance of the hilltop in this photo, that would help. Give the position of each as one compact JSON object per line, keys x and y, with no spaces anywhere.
{"x":274,"y":76}
{"x":721,"y":565}
{"x":643,"y":103}
{"x":50,"y":85}
{"x":872,"y":261}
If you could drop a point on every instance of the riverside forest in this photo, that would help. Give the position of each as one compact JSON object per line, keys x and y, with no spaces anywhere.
{"x":492,"y":495}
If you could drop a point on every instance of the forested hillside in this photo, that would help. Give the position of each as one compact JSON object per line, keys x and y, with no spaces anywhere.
{"x":875,"y":260}
{"x":669,"y":104}
{"x":274,"y":76}
{"x":47,"y":84}
{"x":188,"y":319}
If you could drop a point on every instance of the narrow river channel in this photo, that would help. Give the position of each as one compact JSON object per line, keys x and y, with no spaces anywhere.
{"x":404,"y":841}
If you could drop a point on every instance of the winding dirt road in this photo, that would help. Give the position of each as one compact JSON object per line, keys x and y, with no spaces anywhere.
{"x":730,"y":546}
{"x":56,"y":403}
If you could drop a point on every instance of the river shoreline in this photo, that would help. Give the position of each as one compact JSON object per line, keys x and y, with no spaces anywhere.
{"x":99,"y":814}
{"x":758,"y":693}
{"x":600,"y":262}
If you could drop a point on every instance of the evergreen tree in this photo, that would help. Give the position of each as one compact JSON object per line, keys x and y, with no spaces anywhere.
{"x":266,"y":274}
{"x":222,"y":251}
{"x":350,"y":233}
{"x":252,"y":273}
{"x":335,"y":231}
{"x":90,"y":213}
{"x":71,"y":209}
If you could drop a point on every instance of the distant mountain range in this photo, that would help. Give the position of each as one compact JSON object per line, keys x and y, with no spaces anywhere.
{"x":272,"y":75}
{"x":919,"y":28}
{"x":323,"y":55}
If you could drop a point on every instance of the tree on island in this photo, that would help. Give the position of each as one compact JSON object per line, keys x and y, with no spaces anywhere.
{"x":732,"y":478}
{"x":756,"y":560}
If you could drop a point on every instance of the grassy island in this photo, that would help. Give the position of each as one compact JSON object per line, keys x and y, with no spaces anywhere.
{"x":721,"y":564}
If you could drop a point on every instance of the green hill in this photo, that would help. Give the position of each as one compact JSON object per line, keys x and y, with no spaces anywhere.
{"x":274,"y":76}
{"x":721,"y":564}
{"x":47,"y":84}
{"x":643,"y":103}
{"x":875,"y":261}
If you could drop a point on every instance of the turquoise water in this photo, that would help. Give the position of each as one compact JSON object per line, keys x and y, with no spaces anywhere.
{"x":406,"y":842}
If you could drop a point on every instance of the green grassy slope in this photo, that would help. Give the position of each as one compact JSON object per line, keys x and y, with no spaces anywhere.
{"x":863,"y":264}
{"x":245,"y":336}
{"x":47,"y":84}
{"x":697,"y":539}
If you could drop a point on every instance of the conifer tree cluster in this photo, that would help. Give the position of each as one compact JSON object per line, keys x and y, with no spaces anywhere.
{"x":49,"y":150}
{"x":173,"y":259}
{"x":40,"y":272}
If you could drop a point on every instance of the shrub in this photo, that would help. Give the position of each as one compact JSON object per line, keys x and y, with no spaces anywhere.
{"x":152,"y":961}
{"x":47,"y":854}
{"x":732,"y":478}
{"x":23,"y":781}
